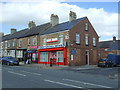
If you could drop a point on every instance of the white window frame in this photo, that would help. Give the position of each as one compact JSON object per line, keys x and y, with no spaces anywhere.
{"x":77,"y":36}
{"x":20,"y":43}
{"x":60,"y":39}
{"x":34,"y":41}
{"x":86,"y":26}
{"x":28,"y":41}
{"x":94,"y":41}
{"x":44,"y":42}
{"x":13,"y":43}
{"x":86,"y":39}
{"x":8,"y":43}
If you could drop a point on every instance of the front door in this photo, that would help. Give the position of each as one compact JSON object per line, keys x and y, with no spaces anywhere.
{"x":53,"y":56}
{"x":87,"y":56}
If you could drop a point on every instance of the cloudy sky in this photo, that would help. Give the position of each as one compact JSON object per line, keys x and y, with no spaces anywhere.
{"x":17,"y":14}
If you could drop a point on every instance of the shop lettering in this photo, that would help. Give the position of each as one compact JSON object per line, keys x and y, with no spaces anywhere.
{"x":50,"y":46}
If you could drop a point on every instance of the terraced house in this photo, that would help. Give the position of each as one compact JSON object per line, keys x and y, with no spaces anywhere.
{"x":74,"y":42}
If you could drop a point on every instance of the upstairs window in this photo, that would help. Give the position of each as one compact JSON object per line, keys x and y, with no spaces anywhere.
{"x":77,"y":38}
{"x":86,"y":26}
{"x":60,"y":39}
{"x":20,"y":43}
{"x":44,"y":42}
{"x":28,"y":41}
{"x":86,"y":39}
{"x":94,"y":41}
{"x":8,"y":43}
{"x":34,"y":41}
{"x":13,"y":43}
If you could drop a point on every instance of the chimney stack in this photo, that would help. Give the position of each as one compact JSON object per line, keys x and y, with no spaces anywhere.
{"x":54,"y":19}
{"x":31,"y":24}
{"x":13,"y":30}
{"x":72,"y":16}
{"x":114,"y":38}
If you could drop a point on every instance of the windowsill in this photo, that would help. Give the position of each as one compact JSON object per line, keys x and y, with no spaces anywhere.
{"x":77,"y":43}
{"x":86,"y":45}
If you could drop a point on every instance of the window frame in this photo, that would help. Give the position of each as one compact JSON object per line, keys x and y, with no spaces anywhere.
{"x":77,"y":38}
{"x":86,"y":39}
{"x":94,"y":41}
{"x":86,"y":26}
{"x":61,"y":39}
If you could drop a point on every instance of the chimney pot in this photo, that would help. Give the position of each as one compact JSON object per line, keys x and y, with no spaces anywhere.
{"x":54,"y":19}
{"x":114,"y":38}
{"x":72,"y":16}
{"x":13,"y":30}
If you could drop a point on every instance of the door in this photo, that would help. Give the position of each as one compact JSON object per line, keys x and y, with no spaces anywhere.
{"x":53,"y":56}
{"x":87,"y":56}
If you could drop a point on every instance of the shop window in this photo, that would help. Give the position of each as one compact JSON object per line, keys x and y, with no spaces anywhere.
{"x":20,"y":54}
{"x":77,"y":38}
{"x":34,"y":41}
{"x":60,"y":39}
{"x":43,"y":56}
{"x":86,"y":26}
{"x":94,"y":41}
{"x":86,"y":39}
{"x":28,"y":41}
{"x":60,"y":56}
{"x":44,"y":42}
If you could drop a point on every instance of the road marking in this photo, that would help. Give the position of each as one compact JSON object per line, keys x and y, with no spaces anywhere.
{"x":87,"y":83}
{"x":62,"y":83}
{"x":16,"y":73}
{"x":31,"y":73}
{"x":8,"y":68}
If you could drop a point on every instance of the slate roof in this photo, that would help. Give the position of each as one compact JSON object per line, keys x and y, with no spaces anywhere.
{"x":62,"y":26}
{"x":27,"y":32}
{"x":42,"y":29}
{"x":111,"y":45}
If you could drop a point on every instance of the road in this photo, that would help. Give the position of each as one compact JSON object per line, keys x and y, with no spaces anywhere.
{"x":28,"y":77}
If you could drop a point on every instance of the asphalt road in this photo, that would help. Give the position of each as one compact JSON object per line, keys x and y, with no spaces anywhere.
{"x":28,"y":77}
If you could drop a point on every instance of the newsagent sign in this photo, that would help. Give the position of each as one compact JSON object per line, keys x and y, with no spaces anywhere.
{"x":51,"y":46}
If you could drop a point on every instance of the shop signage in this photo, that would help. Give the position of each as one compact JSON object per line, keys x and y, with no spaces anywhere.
{"x":73,"y":52}
{"x":52,"y":40}
{"x":33,"y":47}
{"x":51,"y":46}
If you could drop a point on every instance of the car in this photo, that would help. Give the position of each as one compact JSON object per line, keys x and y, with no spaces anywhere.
{"x":104,"y":63}
{"x":10,"y":61}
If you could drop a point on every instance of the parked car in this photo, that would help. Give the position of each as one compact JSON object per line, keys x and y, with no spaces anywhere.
{"x":10,"y":61}
{"x":110,"y":61}
{"x":104,"y":63}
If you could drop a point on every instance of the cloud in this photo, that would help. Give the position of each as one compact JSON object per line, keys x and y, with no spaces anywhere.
{"x":19,"y":13}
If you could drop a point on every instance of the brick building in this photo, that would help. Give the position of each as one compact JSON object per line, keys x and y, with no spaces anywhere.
{"x":109,"y":47}
{"x":74,"y":42}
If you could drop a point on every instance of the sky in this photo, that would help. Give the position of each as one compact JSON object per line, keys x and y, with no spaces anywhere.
{"x":17,"y":14}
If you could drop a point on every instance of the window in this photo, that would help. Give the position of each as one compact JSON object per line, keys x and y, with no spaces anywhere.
{"x":86,"y":39}
{"x":13,"y":43}
{"x":5,"y":44}
{"x":77,"y":38}
{"x":60,"y":39}
{"x":86,"y":26}
{"x":8,"y":43}
{"x":60,"y":56}
{"x":94,"y":41}
{"x":44,"y":42}
{"x":28,"y":41}
{"x":34,"y":41}
{"x":20,"y":43}
{"x":43,"y":56}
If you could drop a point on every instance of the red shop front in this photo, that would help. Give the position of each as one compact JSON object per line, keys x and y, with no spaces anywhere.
{"x":58,"y":56}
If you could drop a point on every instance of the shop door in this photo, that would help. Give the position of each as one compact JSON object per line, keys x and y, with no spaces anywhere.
{"x":53,"y":57}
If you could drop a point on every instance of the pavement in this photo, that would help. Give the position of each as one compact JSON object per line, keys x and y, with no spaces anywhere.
{"x":47,"y":66}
